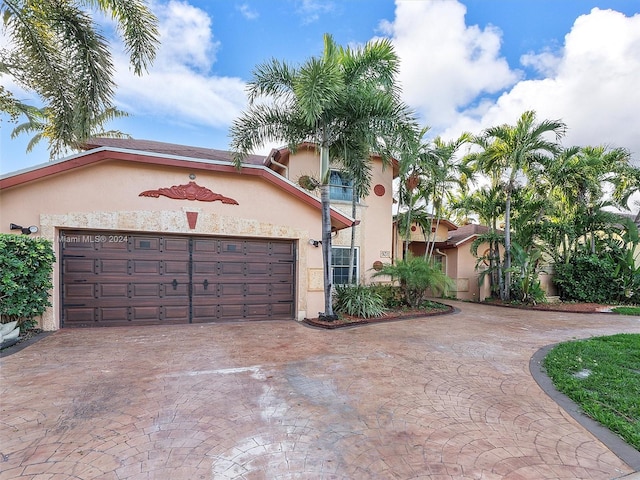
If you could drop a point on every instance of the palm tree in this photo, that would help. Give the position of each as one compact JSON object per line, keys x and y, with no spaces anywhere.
{"x":447,"y":173}
{"x":36,"y":124}
{"x":511,"y":151}
{"x":345,"y":96}
{"x":57,"y":52}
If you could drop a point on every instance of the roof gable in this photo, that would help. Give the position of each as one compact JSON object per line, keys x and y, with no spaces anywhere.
{"x":208,"y":160}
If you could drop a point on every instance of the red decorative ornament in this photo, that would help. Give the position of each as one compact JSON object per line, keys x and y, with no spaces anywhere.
{"x":191,"y":191}
{"x":379,"y":190}
{"x":192,"y":219}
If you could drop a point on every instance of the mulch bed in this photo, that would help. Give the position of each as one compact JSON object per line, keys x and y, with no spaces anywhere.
{"x":391,"y":316}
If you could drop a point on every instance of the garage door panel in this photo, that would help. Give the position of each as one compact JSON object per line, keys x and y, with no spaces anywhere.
{"x":146,"y":267}
{"x":205,"y":267}
{"x":145,"y":290}
{"x":112,"y":290}
{"x":112,"y":266}
{"x":180,"y":289}
{"x":176,"y":245}
{"x":112,"y":244}
{"x":203,"y":247}
{"x":80,"y":291}
{"x":142,"y":279}
{"x":146,"y":244}
{"x":79,"y":316}
{"x":283,"y":310}
{"x":285,"y":269}
{"x":175,"y":267}
{"x":79,"y":266}
{"x":175,"y":314}
{"x":285,"y":249}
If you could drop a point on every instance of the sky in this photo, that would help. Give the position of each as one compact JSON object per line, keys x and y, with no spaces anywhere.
{"x":465,"y":65}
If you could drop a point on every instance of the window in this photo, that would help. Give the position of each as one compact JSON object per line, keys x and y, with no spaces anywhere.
{"x":340,"y":265}
{"x":341,"y":186}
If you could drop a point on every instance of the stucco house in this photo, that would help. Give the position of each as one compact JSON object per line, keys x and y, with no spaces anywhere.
{"x":147,"y":232}
{"x":452,"y":249}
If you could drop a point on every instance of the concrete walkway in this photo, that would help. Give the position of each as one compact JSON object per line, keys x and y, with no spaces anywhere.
{"x":447,"y":397}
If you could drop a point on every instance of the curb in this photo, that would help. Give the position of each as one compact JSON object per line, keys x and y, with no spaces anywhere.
{"x":617,"y":445}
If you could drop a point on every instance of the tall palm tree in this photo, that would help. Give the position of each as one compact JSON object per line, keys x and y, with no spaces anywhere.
{"x":345,"y":95}
{"x":511,"y":151}
{"x":447,"y":175}
{"x":56,"y":51}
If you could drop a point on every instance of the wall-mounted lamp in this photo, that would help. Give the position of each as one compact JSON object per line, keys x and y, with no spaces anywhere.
{"x":25,"y":230}
{"x":315,"y":243}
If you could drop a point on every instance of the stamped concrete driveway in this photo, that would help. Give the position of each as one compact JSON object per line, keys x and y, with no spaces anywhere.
{"x":442,"y":398}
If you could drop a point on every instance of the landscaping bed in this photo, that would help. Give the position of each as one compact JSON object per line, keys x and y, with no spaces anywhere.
{"x":389,"y":316}
{"x":571,"y":307}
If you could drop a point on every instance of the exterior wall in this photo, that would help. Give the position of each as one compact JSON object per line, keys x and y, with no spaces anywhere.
{"x":374,"y":234}
{"x":462,"y":271}
{"x":106,"y":196}
{"x":442,"y":233}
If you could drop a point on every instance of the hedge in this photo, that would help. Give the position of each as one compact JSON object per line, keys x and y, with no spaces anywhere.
{"x":26,"y":264}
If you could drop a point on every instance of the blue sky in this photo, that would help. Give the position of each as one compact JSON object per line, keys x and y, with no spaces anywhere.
{"x":465,"y":65}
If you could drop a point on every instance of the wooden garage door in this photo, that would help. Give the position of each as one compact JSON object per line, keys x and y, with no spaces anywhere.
{"x":134,"y":279}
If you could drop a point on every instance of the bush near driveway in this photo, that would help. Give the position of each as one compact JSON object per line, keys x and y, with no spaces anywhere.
{"x":25,"y":278}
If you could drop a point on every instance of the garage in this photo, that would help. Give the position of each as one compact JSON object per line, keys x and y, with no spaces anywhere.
{"x":120,"y":278}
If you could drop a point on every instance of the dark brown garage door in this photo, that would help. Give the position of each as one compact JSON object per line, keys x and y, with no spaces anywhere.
{"x":133,"y":279}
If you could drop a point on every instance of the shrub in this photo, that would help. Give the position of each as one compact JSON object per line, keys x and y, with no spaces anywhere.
{"x":415,"y":276}
{"x":25,"y":277}
{"x":587,"y":278}
{"x":391,"y":295}
{"x":358,"y":300}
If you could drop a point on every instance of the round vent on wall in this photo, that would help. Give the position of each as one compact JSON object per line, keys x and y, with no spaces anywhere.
{"x":379,"y":190}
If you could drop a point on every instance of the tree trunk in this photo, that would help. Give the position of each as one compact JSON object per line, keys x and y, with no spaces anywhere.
{"x":326,"y":231}
{"x":352,"y":252}
{"x":507,"y":248}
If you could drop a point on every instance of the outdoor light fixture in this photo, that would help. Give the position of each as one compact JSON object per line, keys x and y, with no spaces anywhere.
{"x":25,"y":230}
{"x":315,"y":243}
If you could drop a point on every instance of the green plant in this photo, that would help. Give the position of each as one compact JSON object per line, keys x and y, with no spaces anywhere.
{"x":358,"y":301}
{"x":415,"y":276}
{"x":525,"y":286}
{"x":587,"y":278}
{"x":627,"y":310}
{"x":391,"y":295}
{"x":25,"y":277}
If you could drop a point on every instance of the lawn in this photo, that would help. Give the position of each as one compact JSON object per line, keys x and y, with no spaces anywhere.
{"x":602,"y":375}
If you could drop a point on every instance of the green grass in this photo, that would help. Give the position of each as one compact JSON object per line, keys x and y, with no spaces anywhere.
{"x":608,"y":389}
{"x":626,"y":310}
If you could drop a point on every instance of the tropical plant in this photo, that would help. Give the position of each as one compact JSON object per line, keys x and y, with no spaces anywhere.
{"x":526,"y":268}
{"x":415,"y":276}
{"x":346,"y":96}
{"x":509,"y":152}
{"x":358,"y":300}
{"x":56,"y":51}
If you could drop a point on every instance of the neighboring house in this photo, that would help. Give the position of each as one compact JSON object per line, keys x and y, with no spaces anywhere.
{"x":453,"y":250}
{"x":148,"y":232}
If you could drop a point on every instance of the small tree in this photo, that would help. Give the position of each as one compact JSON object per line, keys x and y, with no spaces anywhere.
{"x":416,"y":276}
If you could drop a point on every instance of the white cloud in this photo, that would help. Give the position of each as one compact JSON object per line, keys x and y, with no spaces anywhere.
{"x":592,"y":85}
{"x":179,"y":84}
{"x":310,"y":10}
{"x":445,"y":63}
{"x":247,"y":12}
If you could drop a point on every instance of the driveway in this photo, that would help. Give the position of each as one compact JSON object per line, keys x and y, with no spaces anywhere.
{"x":446,"y":397}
